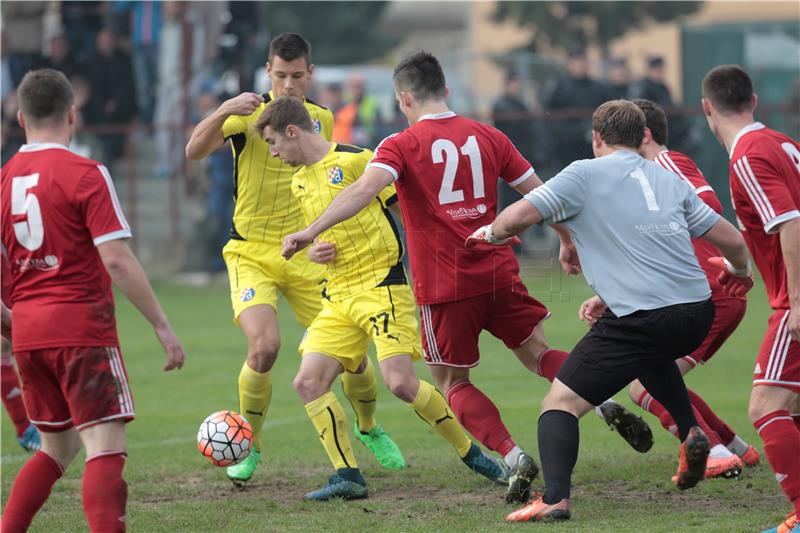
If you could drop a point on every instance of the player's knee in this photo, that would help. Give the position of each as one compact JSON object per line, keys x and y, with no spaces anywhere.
{"x":404,"y":387}
{"x":635,"y":391}
{"x":262,"y":353}
{"x":309,"y":387}
{"x":60,"y":447}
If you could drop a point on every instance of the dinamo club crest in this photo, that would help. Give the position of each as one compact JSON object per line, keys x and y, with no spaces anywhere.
{"x":335,"y":176}
{"x":317,"y":125}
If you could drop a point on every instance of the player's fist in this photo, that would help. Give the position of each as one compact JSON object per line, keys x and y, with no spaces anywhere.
{"x":295,"y":242}
{"x":169,"y":340}
{"x":568,"y":257}
{"x":322,"y":252}
{"x":244,"y":104}
{"x":591,"y":309}
{"x":485,"y":234}
{"x":735,"y":282}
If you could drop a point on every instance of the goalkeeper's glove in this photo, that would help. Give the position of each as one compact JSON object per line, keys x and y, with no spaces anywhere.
{"x":485,"y":234}
{"x":735,"y":282}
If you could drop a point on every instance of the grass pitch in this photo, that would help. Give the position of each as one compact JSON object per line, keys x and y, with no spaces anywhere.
{"x":173,"y":488}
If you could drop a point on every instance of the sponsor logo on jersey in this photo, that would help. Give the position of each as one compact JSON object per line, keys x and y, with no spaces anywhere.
{"x":335,"y":176}
{"x":758,"y":369}
{"x":248,"y":294}
{"x":658,"y":229}
{"x":467,"y":212}
{"x":48,"y":262}
{"x":317,"y":125}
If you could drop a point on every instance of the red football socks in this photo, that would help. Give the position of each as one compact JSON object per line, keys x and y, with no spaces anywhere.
{"x":105,"y":493}
{"x":650,"y":404}
{"x":479,"y":416}
{"x":12,"y":398}
{"x":550,"y":362}
{"x":30,"y":490}
{"x":726,"y":434}
{"x":781,"y":441}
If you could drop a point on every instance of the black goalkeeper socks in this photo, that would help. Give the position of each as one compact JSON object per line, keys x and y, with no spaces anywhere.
{"x":559,"y":437}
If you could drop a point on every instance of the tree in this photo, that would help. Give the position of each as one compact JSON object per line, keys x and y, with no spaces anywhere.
{"x":570,"y":25}
{"x":340,"y":32}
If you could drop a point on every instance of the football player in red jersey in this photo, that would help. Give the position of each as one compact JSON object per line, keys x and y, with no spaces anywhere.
{"x":765,"y":190}
{"x":64,"y":234}
{"x":445,"y":168}
{"x":727,"y":447}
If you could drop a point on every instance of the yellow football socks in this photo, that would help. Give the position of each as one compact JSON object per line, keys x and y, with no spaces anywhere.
{"x":255,"y":393}
{"x":431,"y":406}
{"x":327,"y":415}
{"x":362,"y":391}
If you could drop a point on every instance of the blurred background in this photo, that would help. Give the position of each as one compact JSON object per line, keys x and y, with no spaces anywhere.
{"x":145,"y":72}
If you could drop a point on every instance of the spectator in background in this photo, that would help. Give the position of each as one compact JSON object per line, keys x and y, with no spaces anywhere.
{"x":145,"y":31}
{"x":355,"y":122}
{"x":652,"y":86}
{"x":112,"y":100}
{"x":82,"y":21}
{"x":23,"y":28}
{"x":576,"y":94}
{"x":13,"y":136}
{"x":62,"y":59}
{"x":511,"y":116}
{"x":171,"y":105}
{"x":330,"y":96}
{"x":619,"y":79}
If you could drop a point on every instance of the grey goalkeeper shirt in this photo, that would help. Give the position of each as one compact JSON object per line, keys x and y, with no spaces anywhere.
{"x":632,"y":223}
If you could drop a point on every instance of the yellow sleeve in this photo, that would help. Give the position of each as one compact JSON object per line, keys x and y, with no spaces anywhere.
{"x":234,"y":124}
{"x":326,"y":124}
{"x":387,"y":196}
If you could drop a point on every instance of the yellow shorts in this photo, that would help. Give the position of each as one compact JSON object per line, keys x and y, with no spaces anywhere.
{"x":258,"y":273}
{"x":386,"y":315}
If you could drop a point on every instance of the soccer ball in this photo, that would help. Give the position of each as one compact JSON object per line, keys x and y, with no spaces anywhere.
{"x":225,"y":438}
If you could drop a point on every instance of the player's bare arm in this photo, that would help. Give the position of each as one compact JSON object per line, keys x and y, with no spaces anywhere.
{"x":790,"y":247}
{"x":127,"y":274}
{"x":207,"y":135}
{"x":347,"y":203}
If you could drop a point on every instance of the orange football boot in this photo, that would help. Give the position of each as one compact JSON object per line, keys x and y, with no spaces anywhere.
{"x":727,"y":467}
{"x":750,"y":457}
{"x":692,"y":464}
{"x":538,"y":511}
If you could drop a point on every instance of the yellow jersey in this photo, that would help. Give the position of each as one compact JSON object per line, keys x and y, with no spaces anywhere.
{"x":368,"y":245}
{"x":264,"y":209}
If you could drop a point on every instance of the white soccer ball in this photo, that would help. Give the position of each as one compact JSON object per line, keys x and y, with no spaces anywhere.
{"x":225,"y":438}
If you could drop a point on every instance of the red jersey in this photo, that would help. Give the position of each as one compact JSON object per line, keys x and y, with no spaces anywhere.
{"x":446,"y":169}
{"x":685,"y":168}
{"x":765,"y":189}
{"x":56,"y":207}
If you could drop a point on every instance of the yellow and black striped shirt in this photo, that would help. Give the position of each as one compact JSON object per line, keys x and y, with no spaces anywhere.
{"x":368,"y":246}
{"x":265,"y":210}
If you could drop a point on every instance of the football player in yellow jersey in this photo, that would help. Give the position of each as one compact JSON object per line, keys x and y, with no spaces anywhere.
{"x":367,"y":298}
{"x":264,"y":212}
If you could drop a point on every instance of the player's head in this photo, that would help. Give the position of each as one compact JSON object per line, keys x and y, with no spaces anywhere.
{"x":617,"y":124}
{"x":656,"y":132}
{"x":289,"y":65}
{"x":45,"y":100}
{"x":727,"y":92}
{"x":418,"y":80}
{"x":282,"y":125}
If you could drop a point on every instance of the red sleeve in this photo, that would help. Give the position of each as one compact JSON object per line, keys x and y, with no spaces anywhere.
{"x":684,"y":167}
{"x":514,"y":168}
{"x":389,"y":156}
{"x":767,"y":189}
{"x":100,"y":207}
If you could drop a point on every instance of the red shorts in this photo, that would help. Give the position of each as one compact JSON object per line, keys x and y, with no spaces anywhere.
{"x":729,"y":312}
{"x":778,"y":360}
{"x":450,"y":330}
{"x":80,"y":387}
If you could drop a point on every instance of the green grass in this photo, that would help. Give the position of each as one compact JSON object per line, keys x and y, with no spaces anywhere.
{"x":173,"y":488}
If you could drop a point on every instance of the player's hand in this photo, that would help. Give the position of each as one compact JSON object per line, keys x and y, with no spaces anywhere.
{"x":591,"y":310}
{"x":169,"y":340}
{"x":485,"y":235}
{"x":295,"y":242}
{"x":793,"y":324}
{"x":568,"y":257}
{"x":322,"y":252}
{"x":734,"y":282}
{"x":244,"y":104}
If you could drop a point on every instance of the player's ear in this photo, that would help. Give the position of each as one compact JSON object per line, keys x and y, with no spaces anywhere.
{"x":446,"y":91}
{"x":706,"y":107}
{"x":72,"y":115}
{"x":755,"y":101}
{"x":597,"y":141}
{"x":648,"y":136}
{"x":20,"y":119}
{"x":268,"y":67}
{"x":310,"y":70}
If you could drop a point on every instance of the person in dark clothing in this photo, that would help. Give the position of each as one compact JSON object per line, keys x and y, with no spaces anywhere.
{"x":113,"y":94}
{"x":511,"y":116}
{"x":574,"y":92}
{"x":62,"y":59}
{"x":619,"y":79}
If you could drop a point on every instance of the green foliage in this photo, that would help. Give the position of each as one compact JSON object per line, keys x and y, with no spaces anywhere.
{"x":172,"y":488}
{"x":570,"y":25}
{"x":331,"y":27}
